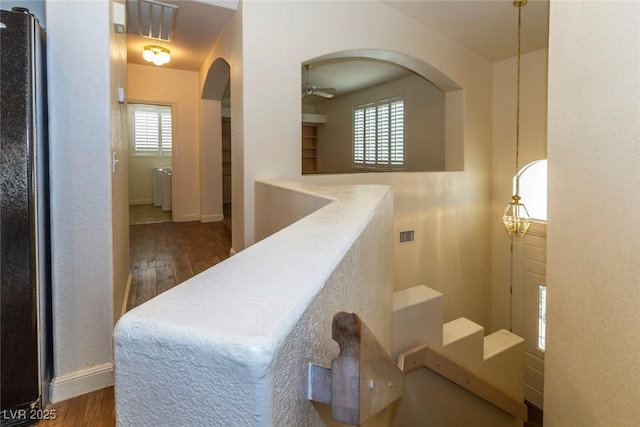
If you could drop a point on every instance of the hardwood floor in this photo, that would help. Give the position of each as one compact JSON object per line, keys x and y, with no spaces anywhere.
{"x":162,"y":255}
{"x":148,"y":214}
{"x":95,"y":409}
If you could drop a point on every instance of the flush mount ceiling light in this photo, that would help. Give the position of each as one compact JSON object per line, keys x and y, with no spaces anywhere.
{"x":516,"y":217}
{"x":151,"y":19}
{"x":157,"y":54}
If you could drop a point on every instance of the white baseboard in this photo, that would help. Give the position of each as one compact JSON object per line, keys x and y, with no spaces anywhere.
{"x":141,"y":202}
{"x":187,"y":218}
{"x":80,"y":382}
{"x":212,"y":218}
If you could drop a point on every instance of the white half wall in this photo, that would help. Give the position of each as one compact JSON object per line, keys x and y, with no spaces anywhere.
{"x":592,"y":368}
{"x":231,"y":346}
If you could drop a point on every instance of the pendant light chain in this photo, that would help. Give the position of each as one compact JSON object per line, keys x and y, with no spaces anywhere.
{"x":518,"y":104}
{"x":516,"y":218}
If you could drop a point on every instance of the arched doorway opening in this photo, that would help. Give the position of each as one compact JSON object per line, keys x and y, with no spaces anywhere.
{"x":215,"y":157}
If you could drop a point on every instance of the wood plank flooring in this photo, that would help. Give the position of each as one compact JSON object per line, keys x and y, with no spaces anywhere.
{"x":162,"y":255}
{"x":148,"y":214}
{"x":95,"y":409}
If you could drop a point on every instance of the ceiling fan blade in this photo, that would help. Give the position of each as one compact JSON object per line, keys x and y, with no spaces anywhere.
{"x":322,"y":94}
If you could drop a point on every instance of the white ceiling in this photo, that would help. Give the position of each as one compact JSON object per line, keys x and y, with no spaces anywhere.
{"x":488,"y":28}
{"x":198,"y":25}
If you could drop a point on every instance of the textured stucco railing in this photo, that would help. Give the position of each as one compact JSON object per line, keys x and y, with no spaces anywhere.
{"x":230,"y":346}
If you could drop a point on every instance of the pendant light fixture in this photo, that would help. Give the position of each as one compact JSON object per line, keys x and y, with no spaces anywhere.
{"x":516,"y":217}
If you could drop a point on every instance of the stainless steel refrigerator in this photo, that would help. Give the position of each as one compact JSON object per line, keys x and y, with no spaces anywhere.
{"x":25,"y":295}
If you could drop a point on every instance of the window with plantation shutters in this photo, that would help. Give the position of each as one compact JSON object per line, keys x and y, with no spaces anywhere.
{"x":150,"y":130}
{"x":378,"y":135}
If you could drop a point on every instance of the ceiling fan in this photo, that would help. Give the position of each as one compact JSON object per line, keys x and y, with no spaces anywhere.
{"x":309,"y":89}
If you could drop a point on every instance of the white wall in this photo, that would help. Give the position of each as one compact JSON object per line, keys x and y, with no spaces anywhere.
{"x":449,"y":211}
{"x":142,"y":175}
{"x":81,"y":111}
{"x":211,"y":160}
{"x":592,"y":368}
{"x":424,"y":125}
{"x":229,"y":47}
{"x":533,"y":146}
{"x":178,"y":88}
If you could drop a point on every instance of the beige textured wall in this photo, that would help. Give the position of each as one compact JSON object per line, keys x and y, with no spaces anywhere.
{"x":592,"y":370}
{"x":180,"y":90}
{"x":448,"y":210}
{"x":141,"y":176}
{"x":229,"y":47}
{"x":119,"y":193}
{"x":533,"y":146}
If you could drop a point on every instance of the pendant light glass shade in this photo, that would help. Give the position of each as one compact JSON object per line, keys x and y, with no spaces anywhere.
{"x":156,"y":54}
{"x":516,"y":218}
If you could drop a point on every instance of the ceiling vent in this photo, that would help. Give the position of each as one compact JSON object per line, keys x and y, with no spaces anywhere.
{"x":151,"y":19}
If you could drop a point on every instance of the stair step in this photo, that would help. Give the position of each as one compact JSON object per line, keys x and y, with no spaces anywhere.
{"x":463,"y":342}
{"x":417,"y":319}
{"x":500,"y":342}
{"x":497,"y":358}
{"x":504,"y":361}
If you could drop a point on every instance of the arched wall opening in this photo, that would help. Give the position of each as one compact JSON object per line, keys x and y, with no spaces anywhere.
{"x":215,"y":144}
{"x":453,"y":95}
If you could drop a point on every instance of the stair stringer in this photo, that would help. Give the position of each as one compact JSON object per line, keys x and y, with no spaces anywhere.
{"x":430,"y":399}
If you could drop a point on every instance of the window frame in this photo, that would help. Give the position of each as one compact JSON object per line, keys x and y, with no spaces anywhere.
{"x":159,"y":110}
{"x":529,"y":186}
{"x":381,"y":160}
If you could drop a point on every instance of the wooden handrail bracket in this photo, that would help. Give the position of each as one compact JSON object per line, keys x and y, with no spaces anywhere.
{"x":363,"y":379}
{"x":424,"y":356}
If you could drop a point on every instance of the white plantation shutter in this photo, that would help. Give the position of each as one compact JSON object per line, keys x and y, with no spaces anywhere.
{"x":358,"y":136}
{"x":151,"y":132}
{"x":166,"y":131}
{"x":145,"y":131}
{"x":370,"y":136}
{"x":396,"y":142}
{"x":382,"y":140}
{"x":378,"y":135}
